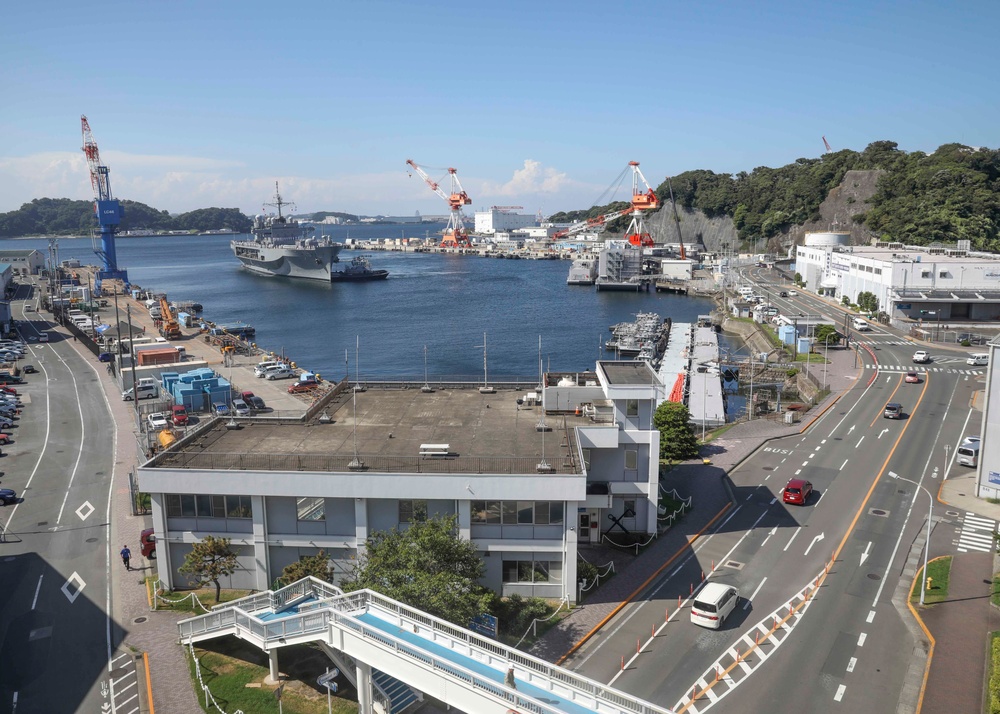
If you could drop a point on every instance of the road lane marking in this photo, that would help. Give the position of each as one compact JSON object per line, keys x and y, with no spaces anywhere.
{"x":871,"y":617}
{"x":861,"y":639}
{"x":859,"y":442}
{"x":864,"y":556}
{"x":844,"y":464}
{"x":851,"y":663}
{"x":840,"y":693}
{"x":791,"y":539}
{"x":34,"y":600}
{"x":745,"y":606}
{"x":798,"y":472}
{"x":815,"y":540}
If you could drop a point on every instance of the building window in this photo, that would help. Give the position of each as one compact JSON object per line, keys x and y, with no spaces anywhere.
{"x":632,"y":407}
{"x":211,"y":506}
{"x":943,"y":274}
{"x":511,"y":513}
{"x":532,"y":571}
{"x":629,"y":508}
{"x":310,"y":508}
{"x":412,"y":511}
{"x":180,"y":506}
{"x":238,"y":507}
{"x":631,"y":459}
{"x":925,"y":273}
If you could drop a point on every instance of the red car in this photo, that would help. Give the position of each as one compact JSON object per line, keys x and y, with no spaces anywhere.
{"x":797,"y":491}
{"x":4,"y":439}
{"x":912,"y":378}
{"x":304,"y":386}
{"x":147,"y":543}
{"x":8,"y":390}
{"x":178,"y":415}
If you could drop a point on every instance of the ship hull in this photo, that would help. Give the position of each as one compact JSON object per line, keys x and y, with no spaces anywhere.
{"x":309,"y":263}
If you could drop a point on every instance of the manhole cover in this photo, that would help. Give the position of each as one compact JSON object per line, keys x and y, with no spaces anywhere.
{"x":961,"y":494}
{"x":767,"y":468}
{"x":878,"y":512}
{"x":92,"y":540}
{"x":42,"y":523}
{"x":139,"y":620}
{"x":734,"y":564}
{"x":953,"y":514}
{"x":899,"y":490}
{"x":874,"y":576}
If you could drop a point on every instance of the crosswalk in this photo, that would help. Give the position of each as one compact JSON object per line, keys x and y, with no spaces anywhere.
{"x":923,"y":369}
{"x":976,"y":534}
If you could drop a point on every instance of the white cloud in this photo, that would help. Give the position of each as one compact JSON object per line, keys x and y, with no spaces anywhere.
{"x":533,"y":178}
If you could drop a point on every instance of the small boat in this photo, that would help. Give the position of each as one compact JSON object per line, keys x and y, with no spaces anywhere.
{"x":357,"y":270}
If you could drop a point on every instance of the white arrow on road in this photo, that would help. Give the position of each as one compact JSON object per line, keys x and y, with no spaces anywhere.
{"x":850,"y":430}
{"x":815,"y":540}
{"x":769,"y":534}
{"x":882,"y":433}
{"x":864,"y":556}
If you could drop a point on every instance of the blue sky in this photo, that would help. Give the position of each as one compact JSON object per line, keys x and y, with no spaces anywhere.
{"x":542,"y":104}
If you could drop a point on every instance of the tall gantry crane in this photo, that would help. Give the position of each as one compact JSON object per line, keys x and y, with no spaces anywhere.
{"x":454,"y":233}
{"x":639,"y":204}
{"x":108,"y":211}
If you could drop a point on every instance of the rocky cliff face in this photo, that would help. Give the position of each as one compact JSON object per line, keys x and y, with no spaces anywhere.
{"x":836,"y":214}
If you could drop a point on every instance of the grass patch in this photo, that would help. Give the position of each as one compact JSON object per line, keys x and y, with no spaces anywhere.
{"x":228,"y":665}
{"x":993,"y":707}
{"x":206,"y":596}
{"x":810,"y":357}
{"x":939,"y":571}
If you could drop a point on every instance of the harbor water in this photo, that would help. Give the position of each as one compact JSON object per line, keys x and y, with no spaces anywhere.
{"x":443,"y":302}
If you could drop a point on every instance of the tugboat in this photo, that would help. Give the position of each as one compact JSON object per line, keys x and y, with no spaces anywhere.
{"x":357,"y":270}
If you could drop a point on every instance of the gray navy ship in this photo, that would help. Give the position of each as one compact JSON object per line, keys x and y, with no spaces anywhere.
{"x":283,"y":246}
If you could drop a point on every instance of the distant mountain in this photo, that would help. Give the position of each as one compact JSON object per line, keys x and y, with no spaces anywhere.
{"x":64,"y":216}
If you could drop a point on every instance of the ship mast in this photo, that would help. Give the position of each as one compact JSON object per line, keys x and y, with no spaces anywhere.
{"x":278,"y":203}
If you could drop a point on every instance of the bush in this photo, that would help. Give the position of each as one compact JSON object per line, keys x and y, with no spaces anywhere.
{"x":515,"y":613}
{"x":791,"y":372}
{"x":586,"y":571}
{"x":965,"y":343}
{"x":994,"y":706}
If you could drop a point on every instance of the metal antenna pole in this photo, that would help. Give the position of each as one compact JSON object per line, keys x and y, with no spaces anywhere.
{"x":427,"y":387}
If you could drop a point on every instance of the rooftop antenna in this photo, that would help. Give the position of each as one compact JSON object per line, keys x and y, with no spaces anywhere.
{"x":541,"y":425}
{"x":357,"y":366}
{"x":539,"y":387}
{"x":426,"y":389}
{"x":356,"y":463}
{"x":486,"y":388}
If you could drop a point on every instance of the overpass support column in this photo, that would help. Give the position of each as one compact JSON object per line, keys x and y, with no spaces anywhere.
{"x":364,"y":675}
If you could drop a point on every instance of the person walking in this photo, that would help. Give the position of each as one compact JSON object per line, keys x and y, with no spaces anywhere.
{"x":126,"y":555}
{"x":509,"y":678}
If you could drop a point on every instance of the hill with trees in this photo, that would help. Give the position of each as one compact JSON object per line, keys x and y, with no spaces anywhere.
{"x":64,"y":216}
{"x":915,"y":198}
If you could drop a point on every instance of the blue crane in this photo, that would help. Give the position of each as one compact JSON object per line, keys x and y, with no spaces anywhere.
{"x":107,"y":209}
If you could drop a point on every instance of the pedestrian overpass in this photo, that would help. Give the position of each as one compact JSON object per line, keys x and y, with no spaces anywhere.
{"x":393,"y":654}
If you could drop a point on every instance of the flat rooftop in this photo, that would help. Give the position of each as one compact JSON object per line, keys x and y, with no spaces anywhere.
{"x":621,"y":373}
{"x":479,"y":433}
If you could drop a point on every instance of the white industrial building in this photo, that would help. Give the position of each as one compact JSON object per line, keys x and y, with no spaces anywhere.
{"x":911,"y":283}
{"x":497,"y":219}
{"x":529,"y":474}
{"x":23,"y":262}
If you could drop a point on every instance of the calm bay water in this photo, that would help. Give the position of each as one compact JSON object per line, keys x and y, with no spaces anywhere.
{"x":443,"y":302}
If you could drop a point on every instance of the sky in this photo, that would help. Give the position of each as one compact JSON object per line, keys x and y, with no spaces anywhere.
{"x":199,"y":103}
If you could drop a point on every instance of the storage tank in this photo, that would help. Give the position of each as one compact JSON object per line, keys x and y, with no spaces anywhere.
{"x":819,"y":240}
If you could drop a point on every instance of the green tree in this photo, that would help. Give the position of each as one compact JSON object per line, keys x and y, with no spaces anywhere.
{"x":317,"y":566}
{"x":677,"y":439}
{"x":428,"y":566}
{"x":867,"y":301}
{"x":798,"y":279}
{"x":210,"y":559}
{"x":826,"y":334}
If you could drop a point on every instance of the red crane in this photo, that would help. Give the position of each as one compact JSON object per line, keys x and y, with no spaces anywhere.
{"x":827,"y":145}
{"x":640,"y":203}
{"x":454,"y":233}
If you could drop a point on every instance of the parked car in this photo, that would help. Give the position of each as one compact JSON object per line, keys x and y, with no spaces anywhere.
{"x":157,"y":421}
{"x":921,"y":357}
{"x":6,"y":422}
{"x":712,"y":605}
{"x":220,"y":409}
{"x":241,"y":408}
{"x":10,"y":379}
{"x":797,"y":491}
{"x":893,"y":410}
{"x":279,"y":373}
{"x":105,"y":357}
{"x":179,"y":415}
{"x":912,"y":378}
{"x":147,"y":543}
{"x":303,"y":386}
{"x":5,"y":439}
{"x":7,"y":496}
{"x":255,"y":402}
{"x":29,"y":369}
{"x":9,"y":390}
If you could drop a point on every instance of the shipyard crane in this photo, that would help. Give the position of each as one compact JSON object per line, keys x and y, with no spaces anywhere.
{"x":108,"y":211}
{"x":454,"y":233}
{"x":640,"y":202}
{"x":677,"y":220}
{"x":827,"y":145}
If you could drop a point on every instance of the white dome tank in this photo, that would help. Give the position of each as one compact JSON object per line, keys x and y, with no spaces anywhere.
{"x":817,"y":240}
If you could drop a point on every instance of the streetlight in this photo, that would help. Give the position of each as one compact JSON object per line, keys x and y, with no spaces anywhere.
{"x":826,"y":356}
{"x":930,"y":515}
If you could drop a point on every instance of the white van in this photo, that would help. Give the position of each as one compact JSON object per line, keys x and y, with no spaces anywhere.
{"x":861,"y":325}
{"x":712,"y":605}
{"x":140,"y":391}
{"x":264,"y":366}
{"x":978,"y":359}
{"x":968,"y":451}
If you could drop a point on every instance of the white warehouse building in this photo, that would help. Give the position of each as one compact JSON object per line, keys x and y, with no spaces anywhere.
{"x":529,"y":477}
{"x":498,"y":219}
{"x":911,"y":283}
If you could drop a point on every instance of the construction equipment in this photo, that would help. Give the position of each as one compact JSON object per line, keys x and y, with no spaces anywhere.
{"x":827,"y":145}
{"x":641,"y":202}
{"x":108,"y":211}
{"x":455,"y":235}
{"x":169,"y":329}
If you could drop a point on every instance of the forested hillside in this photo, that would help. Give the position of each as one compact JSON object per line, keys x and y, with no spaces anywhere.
{"x":63,"y":216}
{"x":949,"y":195}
